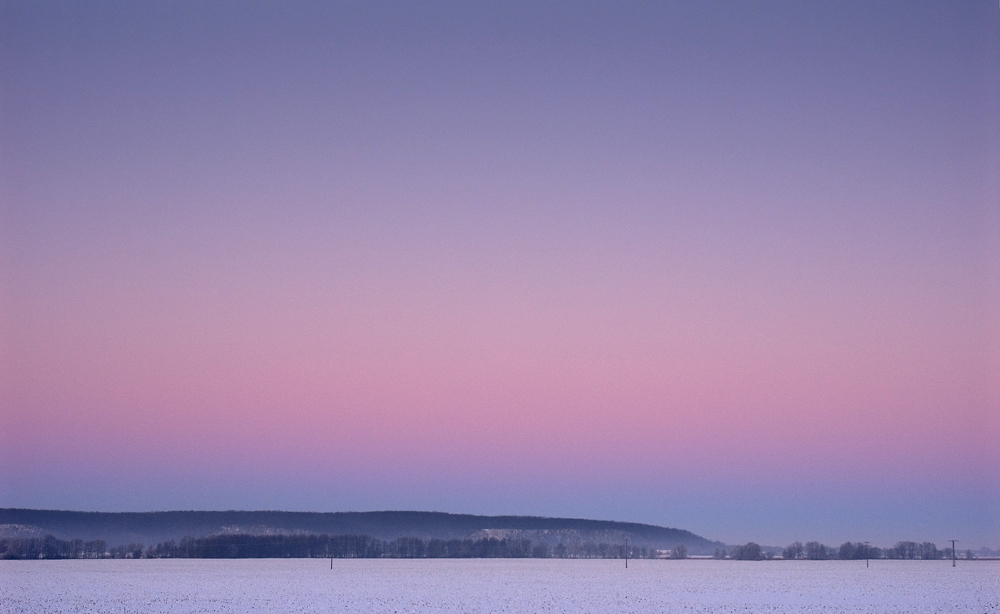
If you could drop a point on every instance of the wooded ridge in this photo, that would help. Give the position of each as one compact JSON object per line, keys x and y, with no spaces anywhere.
{"x":150,"y":528}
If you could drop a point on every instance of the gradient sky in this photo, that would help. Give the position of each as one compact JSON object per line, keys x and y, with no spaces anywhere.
{"x":733,"y":267}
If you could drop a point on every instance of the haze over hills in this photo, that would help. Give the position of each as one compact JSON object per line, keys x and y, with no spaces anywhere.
{"x":149,"y":528}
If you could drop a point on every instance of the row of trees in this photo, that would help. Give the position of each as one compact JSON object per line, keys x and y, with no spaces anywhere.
{"x":49,"y":547}
{"x":315,"y":546}
{"x":747,"y":552}
{"x":816,"y":551}
{"x":362,"y":546}
{"x":926,"y":551}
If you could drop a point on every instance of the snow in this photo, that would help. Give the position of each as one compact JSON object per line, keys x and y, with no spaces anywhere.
{"x":496,"y":585}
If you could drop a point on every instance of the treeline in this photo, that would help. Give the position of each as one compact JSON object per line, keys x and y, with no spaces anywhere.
{"x":363,"y":546}
{"x":242,"y":546}
{"x":815,"y":551}
{"x":747,"y":552}
{"x":315,"y":546}
{"x":49,"y":547}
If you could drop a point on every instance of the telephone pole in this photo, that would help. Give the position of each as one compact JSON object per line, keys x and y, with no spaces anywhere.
{"x":954,"y":553}
{"x":866,"y":555}
{"x":626,"y":553}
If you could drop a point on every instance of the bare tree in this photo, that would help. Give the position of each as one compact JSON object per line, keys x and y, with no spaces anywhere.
{"x":794,"y":550}
{"x":748,"y":552}
{"x":816,"y":551}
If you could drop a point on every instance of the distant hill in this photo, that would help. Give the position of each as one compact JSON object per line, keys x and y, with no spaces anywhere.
{"x":149,"y":528}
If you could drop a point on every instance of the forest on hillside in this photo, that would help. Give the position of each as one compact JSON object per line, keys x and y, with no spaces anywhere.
{"x":123,"y":528}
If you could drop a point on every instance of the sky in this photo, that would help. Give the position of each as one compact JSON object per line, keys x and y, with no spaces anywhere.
{"x":727,"y":267}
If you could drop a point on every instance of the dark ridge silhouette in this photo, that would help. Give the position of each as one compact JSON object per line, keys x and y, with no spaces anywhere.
{"x":119,"y":528}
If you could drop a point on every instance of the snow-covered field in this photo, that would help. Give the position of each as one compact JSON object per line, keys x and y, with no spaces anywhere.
{"x":496,"y":585}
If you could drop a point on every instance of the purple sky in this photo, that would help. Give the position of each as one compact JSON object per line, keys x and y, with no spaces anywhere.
{"x":733,"y":268}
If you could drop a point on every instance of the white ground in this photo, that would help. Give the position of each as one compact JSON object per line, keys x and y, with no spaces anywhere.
{"x":474,"y":586}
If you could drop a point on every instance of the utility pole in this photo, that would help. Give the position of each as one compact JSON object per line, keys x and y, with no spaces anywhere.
{"x":626,"y":553}
{"x":954,"y":553}
{"x":866,"y":555}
